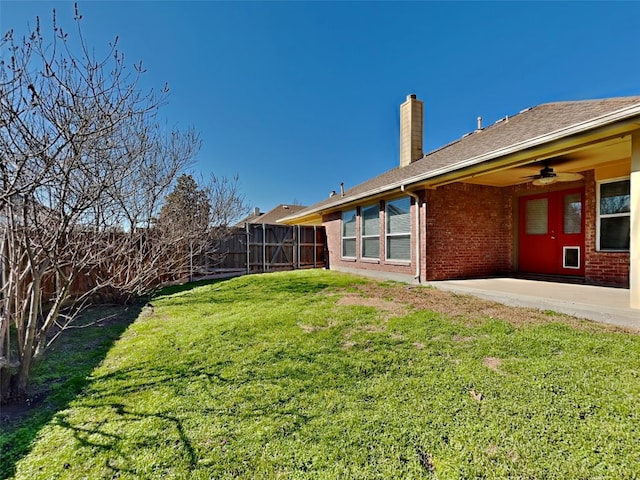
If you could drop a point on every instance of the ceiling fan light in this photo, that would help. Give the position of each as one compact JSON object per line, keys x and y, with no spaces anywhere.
{"x":570,"y":177}
{"x":544,"y":181}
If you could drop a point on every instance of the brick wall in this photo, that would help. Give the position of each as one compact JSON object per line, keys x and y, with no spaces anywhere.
{"x":332,"y":224}
{"x":468,"y":234}
{"x":469,"y":231}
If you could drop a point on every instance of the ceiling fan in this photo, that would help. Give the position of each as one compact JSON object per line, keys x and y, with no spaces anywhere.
{"x":547,"y":176}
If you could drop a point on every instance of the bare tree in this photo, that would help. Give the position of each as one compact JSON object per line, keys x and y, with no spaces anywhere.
{"x":197,"y":218}
{"x":85,"y":168}
{"x":185,"y":218}
{"x":228,"y":205}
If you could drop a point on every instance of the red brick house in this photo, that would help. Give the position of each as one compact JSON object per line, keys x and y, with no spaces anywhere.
{"x":552,"y":191}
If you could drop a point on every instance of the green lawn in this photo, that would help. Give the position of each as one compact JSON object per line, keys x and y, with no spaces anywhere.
{"x":317,"y":374}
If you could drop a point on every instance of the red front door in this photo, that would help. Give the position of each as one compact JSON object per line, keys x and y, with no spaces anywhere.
{"x":551,"y":239}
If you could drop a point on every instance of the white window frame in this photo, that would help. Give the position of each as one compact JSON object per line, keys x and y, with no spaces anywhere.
{"x":342,"y":235}
{"x":610,"y":215}
{"x":389,"y":235}
{"x":364,"y":237}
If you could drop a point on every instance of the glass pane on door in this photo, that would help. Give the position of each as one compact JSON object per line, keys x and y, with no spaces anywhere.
{"x":573,"y":213}
{"x":536,"y":215}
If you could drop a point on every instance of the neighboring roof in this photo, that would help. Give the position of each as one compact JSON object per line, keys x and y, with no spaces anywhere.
{"x":251,"y":218}
{"x":529,"y":128}
{"x":272,"y":216}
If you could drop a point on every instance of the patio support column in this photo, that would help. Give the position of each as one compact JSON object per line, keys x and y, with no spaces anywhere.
{"x":634,"y":267}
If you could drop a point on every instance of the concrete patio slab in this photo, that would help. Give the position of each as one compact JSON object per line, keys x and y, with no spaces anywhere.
{"x":601,"y":304}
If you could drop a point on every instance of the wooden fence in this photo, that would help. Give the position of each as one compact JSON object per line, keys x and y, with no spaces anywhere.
{"x":256,"y":248}
{"x":261,"y":248}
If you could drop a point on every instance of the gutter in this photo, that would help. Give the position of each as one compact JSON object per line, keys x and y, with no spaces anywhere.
{"x":417,"y":198}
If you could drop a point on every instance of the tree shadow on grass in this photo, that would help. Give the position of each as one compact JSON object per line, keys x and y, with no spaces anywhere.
{"x":59,"y":377}
{"x":134,"y":433}
{"x":92,"y":436}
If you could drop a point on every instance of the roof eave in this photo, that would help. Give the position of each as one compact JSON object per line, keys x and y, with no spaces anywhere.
{"x":624,"y":114}
{"x":304,"y":220}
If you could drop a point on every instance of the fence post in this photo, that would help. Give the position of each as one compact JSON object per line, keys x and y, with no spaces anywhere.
{"x":248,"y":258}
{"x":264,"y":248}
{"x":298,"y":241}
{"x":315,"y":248}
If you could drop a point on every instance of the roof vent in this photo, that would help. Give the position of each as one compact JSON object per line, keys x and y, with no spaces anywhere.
{"x":479,"y":123}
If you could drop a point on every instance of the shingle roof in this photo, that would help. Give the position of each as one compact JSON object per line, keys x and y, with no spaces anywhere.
{"x":520,"y":131}
{"x":251,"y":218}
{"x":272,"y":216}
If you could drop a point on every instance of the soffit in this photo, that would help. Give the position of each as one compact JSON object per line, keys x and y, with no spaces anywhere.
{"x":575,"y":160}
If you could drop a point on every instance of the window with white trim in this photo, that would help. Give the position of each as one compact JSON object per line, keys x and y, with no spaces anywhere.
{"x":349,"y":219}
{"x":398,"y":229}
{"x":614,"y":215}
{"x":370,"y":231}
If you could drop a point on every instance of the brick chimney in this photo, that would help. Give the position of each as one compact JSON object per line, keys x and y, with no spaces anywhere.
{"x":411,"y":130}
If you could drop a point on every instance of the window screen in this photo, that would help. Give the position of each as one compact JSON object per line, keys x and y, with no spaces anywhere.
{"x":371,"y":231}
{"x":536,"y":214}
{"x":398,"y":229}
{"x":614,"y":215}
{"x":349,"y":233}
{"x":615,"y":197}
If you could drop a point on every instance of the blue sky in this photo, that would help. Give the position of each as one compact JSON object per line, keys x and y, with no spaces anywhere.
{"x":296,"y":97}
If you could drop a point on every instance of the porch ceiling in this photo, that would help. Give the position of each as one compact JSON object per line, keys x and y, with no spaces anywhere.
{"x":609,"y":152}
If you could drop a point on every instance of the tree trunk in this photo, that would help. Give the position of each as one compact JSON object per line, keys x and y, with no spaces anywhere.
{"x":9,"y":382}
{"x":26,"y":359}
